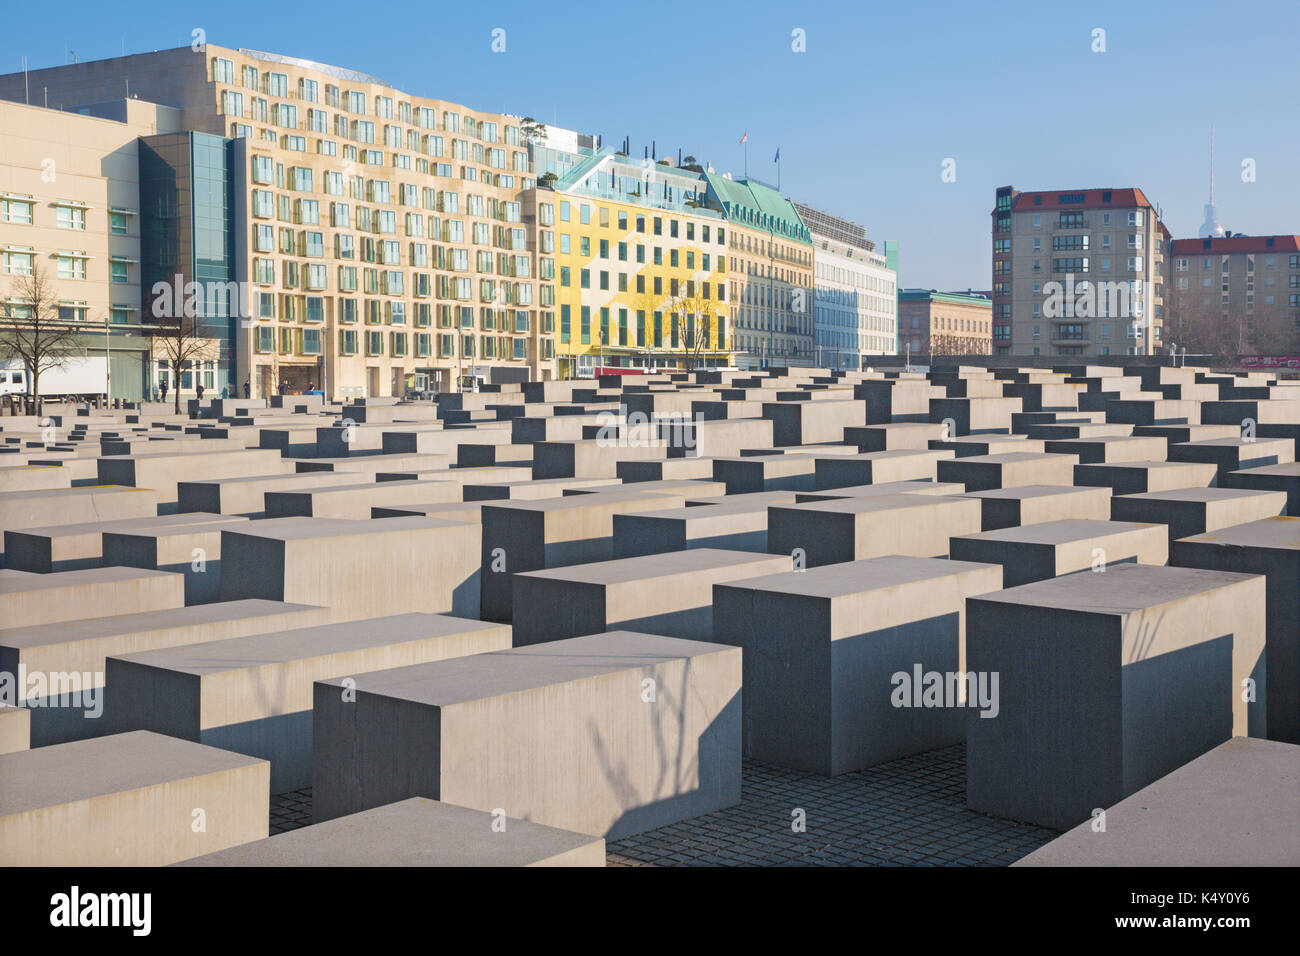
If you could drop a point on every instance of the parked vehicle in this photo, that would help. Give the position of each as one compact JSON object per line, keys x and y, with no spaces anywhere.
{"x":84,"y":378}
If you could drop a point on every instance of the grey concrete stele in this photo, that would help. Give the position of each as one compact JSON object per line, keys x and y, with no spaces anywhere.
{"x":128,"y":800}
{"x":1109,"y":681}
{"x":1233,"y":806}
{"x":1270,"y":547}
{"x":416,"y":832}
{"x":609,"y":734}
{"x":823,"y":648}
{"x":253,"y":694}
{"x":670,"y":594}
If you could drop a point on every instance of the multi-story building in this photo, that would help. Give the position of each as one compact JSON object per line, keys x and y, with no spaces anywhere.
{"x":556,"y":151}
{"x":855,"y":292}
{"x":1234,"y":294}
{"x":944,"y":323}
{"x":70,"y":210}
{"x":642,"y":266}
{"x":1077,"y":272}
{"x":769,"y":268}
{"x":377,"y":238}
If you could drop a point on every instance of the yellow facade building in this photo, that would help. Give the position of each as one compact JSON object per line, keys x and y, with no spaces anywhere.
{"x":640,"y":268}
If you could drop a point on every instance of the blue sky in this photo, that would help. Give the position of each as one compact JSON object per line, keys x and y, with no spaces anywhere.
{"x":864,"y":118}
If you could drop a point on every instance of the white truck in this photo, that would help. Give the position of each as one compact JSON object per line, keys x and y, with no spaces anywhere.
{"x":85,"y":377}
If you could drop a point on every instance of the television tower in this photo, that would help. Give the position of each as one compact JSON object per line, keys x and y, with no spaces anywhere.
{"x":1211,"y":229}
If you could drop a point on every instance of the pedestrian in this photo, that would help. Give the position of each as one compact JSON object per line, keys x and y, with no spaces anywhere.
{"x":162,"y":387}
{"x":284,"y":386}
{"x":247,"y":388}
{"x":199,"y":389}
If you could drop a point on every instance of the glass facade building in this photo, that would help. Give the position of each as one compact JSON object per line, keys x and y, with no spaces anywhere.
{"x":188,"y":188}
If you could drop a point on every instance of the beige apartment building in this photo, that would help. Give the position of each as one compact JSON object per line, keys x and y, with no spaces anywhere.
{"x":1077,"y":272}
{"x":70,"y":210}
{"x":943,"y":323}
{"x":377,"y":238}
{"x":1234,"y":294}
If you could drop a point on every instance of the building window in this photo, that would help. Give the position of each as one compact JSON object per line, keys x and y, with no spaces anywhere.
{"x":70,"y":217}
{"x":17,"y":263}
{"x":71,"y":267}
{"x":18,"y":211}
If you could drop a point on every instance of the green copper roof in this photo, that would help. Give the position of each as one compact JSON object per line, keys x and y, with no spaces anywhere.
{"x":748,"y":202}
{"x":958,"y":298}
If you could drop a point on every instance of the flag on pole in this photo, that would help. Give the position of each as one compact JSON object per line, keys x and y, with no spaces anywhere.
{"x":777,"y":157}
{"x":745,"y":137}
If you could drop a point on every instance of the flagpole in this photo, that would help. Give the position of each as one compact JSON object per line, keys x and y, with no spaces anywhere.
{"x":747,"y":159}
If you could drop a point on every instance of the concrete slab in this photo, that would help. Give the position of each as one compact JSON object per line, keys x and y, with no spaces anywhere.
{"x":127,"y":800}
{"x":1051,"y":548}
{"x":253,"y":694}
{"x":34,"y":478}
{"x":61,"y":666}
{"x":1270,"y":478}
{"x":529,"y":490}
{"x":965,"y":446}
{"x":246,"y":495}
{"x":39,"y":509}
{"x":1236,"y":454}
{"x":1118,"y":679}
{"x":610,"y":734}
{"x":757,"y":473}
{"x":975,"y":415}
{"x":162,"y":471}
{"x":806,"y":423}
{"x":669,"y":594}
{"x":1189,"y":511}
{"x":1136,"y":477}
{"x":553,"y":533}
{"x":983,"y":472}
{"x":70,"y":595}
{"x":416,"y":832}
{"x":844,"y":471}
{"x":372,"y":464}
{"x":736,"y":522}
{"x":354,"y":501}
{"x":1270,"y":547}
{"x":885,"y":488}
{"x":15,"y":728}
{"x":869,"y":526}
{"x":1035,"y":504}
{"x":358,"y":569}
{"x":894,"y":436}
{"x":1110,"y":448}
{"x":664,"y":469}
{"x":72,"y":547}
{"x":1232,"y":806}
{"x":824,"y":648}
{"x":190,"y":550}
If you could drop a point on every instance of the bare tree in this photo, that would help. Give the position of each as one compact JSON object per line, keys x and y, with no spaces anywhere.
{"x":1207,"y":329}
{"x":32,"y":332}
{"x":180,"y":333}
{"x":699,"y":340}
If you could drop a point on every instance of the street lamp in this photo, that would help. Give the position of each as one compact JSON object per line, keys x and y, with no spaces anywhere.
{"x":108,"y":365}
